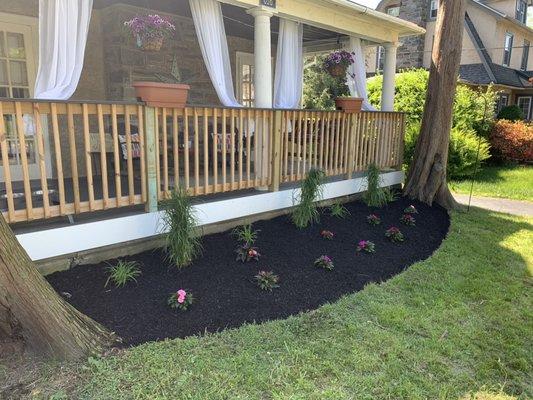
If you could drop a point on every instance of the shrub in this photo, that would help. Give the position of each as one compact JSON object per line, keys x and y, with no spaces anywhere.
{"x":512,"y":141}
{"x":394,"y":234}
{"x":181,"y":300}
{"x":246,"y":253}
{"x":123,"y":272}
{"x":367,"y":246}
{"x":462,"y":151}
{"x":320,"y":88}
{"x":246,"y":235}
{"x":182,"y":240}
{"x":267,"y":280}
{"x":306,"y":211}
{"x":408,"y":219}
{"x":511,"y":113}
{"x":339,"y":211}
{"x":324,"y":262}
{"x":375,"y":195}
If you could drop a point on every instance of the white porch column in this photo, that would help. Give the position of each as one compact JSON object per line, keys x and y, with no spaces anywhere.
{"x":262,"y":84}
{"x":389,"y":72}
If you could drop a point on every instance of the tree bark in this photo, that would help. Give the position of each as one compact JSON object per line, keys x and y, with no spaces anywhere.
{"x":427,"y":173}
{"x":31,"y":310}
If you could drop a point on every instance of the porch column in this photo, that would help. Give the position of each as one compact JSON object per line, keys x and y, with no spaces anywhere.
{"x":389,"y":72}
{"x":262,"y":84}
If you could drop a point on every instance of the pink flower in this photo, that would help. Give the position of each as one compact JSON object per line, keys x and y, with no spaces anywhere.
{"x":182,"y":293}
{"x":362,"y":243}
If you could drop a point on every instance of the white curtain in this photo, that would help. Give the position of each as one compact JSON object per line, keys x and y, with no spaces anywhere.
{"x":288,"y":81}
{"x":63,"y":29}
{"x":209,"y":25}
{"x":357,"y":73}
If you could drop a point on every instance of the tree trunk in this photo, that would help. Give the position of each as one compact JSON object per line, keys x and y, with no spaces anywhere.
{"x":31,"y":310}
{"x":427,"y":173}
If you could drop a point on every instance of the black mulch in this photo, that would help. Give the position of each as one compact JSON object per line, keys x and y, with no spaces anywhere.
{"x":225,"y":292}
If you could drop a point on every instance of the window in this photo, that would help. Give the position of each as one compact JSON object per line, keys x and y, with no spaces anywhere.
{"x":525,"y":56}
{"x":380,"y":58}
{"x":503,"y":101}
{"x":14,"y":79}
{"x":507,"y":49}
{"x":433,"y":9}
{"x":521,"y":10}
{"x":394,"y":11}
{"x":524,"y":102}
{"x":245,"y":79}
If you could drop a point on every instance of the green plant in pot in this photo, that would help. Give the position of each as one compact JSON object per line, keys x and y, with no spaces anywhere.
{"x":337,"y":64}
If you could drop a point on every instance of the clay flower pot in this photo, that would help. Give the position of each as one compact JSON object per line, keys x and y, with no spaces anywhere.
{"x":150,"y":44}
{"x":157,"y":94}
{"x":349,"y":105}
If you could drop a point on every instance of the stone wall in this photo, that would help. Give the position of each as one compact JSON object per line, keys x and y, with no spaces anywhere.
{"x":411,"y":53}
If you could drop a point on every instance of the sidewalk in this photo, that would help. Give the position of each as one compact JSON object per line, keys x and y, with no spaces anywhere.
{"x":515,"y":207}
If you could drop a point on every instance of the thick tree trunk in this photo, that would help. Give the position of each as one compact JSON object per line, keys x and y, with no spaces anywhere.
{"x":427,"y":173}
{"x":31,"y":310}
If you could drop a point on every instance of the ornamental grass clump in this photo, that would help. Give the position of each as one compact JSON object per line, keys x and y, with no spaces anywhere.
{"x":394,"y":234}
{"x":245,"y":234}
{"x":180,"y":300}
{"x":267,"y":280}
{"x":123,"y":272}
{"x":366,"y":246}
{"x":183,"y":243}
{"x":324,"y":262}
{"x":373,"y":219}
{"x":339,"y":211}
{"x":306,"y":212}
{"x":375,"y":195}
{"x":408,"y":219}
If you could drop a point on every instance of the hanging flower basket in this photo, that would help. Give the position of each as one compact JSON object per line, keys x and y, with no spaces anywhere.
{"x":150,"y":31}
{"x":337,"y":63}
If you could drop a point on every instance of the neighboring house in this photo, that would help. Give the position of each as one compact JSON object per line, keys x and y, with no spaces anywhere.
{"x":496,"y":45}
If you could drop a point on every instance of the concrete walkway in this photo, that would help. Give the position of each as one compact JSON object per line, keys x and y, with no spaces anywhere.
{"x":515,"y":207}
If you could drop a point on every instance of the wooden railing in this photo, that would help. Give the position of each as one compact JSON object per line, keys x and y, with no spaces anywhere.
{"x":83,"y":157}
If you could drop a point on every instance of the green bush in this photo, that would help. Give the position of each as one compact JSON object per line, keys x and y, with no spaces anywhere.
{"x":462,"y":153}
{"x":306,"y":213}
{"x":511,"y":113}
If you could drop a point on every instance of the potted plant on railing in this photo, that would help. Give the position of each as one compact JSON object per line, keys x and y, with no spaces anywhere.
{"x":150,"y":31}
{"x":337,"y":64}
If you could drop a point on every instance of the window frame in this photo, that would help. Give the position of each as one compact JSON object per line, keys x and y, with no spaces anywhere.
{"x":507,"y":49}
{"x":433,"y":9}
{"x":501,"y":104}
{"x":527,"y":116}
{"x":521,"y":11}
{"x":393,"y":7}
{"x":525,"y":55}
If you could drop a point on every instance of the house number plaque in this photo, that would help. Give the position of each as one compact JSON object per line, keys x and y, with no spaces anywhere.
{"x":268,"y":3}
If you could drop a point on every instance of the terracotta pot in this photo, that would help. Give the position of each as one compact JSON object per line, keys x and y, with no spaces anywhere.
{"x":156,"y":94}
{"x":349,"y":105}
{"x":337,"y":70}
{"x":150,"y":44}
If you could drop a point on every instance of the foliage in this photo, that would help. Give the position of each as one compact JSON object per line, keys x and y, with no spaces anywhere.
{"x":324,"y":262}
{"x":245,"y":234}
{"x":373,"y":219}
{"x":179,"y":218}
{"x":408,"y":219}
{"x":320,"y":88}
{"x":512,"y":141}
{"x":246,"y":253}
{"x":366,"y":246}
{"x":123,"y":272}
{"x":394,"y":234}
{"x":327,"y":235}
{"x":375,"y":195}
{"x":306,"y":211}
{"x":471,"y":301}
{"x":410,"y":210}
{"x":181,"y":300}
{"x":338,"y":210}
{"x":462,"y":153}
{"x":150,"y":26}
{"x":267,"y":280}
{"x":511,"y":113}
{"x":339,"y":57}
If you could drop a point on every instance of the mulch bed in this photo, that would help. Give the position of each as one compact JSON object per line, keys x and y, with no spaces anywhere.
{"x":224,"y":289}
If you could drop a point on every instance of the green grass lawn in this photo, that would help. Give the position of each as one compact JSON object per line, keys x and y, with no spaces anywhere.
{"x":512,"y":182}
{"x":457,"y":324}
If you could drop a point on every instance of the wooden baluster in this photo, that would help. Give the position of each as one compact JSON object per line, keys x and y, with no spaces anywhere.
{"x":232,"y":154}
{"x":116,"y":155}
{"x":129,"y":154}
{"x":39,"y":138}
{"x":59,"y":159}
{"x":249,"y":145}
{"x":196,"y":153}
{"x":342,"y":145}
{"x":7,"y":169}
{"x":24,"y":161}
{"x":285,"y":142}
{"x":140,"y":119}
{"x":322,"y":138}
{"x":298,"y":131}
{"x":103,"y":157}
{"x":158,"y":153}
{"x":73,"y":158}
{"x":175,"y":148}
{"x":88,"y":160}
{"x":186,"y":149}
{"x":337,"y":141}
{"x":164,"y":144}
{"x":224,"y":134}
{"x":215,"y":149}
{"x":206,"y":151}
{"x":241,"y":144}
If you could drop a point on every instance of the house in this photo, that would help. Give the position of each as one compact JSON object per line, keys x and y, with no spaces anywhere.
{"x":496,"y":45}
{"x":76,"y":142}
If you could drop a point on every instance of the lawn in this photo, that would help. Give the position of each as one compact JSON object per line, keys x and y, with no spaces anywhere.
{"x":455,"y":324}
{"x":512,"y":182}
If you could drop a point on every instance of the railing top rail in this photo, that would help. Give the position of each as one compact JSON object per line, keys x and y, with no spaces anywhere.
{"x":80,"y":101}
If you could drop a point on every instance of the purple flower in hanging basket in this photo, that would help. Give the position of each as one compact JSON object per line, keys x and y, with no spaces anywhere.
{"x":341,"y":58}
{"x":150,"y":27}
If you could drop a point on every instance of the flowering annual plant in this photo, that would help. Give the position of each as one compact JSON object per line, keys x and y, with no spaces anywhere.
{"x":394,"y":234}
{"x":180,"y":300}
{"x":267,"y":280}
{"x":373,"y":219}
{"x":338,"y":62}
{"x":150,"y":30}
{"x":327,"y":234}
{"x":408,"y":219}
{"x":367,"y":246}
{"x":246,"y":253}
{"x":324,"y":262}
{"x":410,"y":210}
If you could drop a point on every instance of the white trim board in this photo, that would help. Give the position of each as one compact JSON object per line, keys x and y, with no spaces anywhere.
{"x":57,"y":242}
